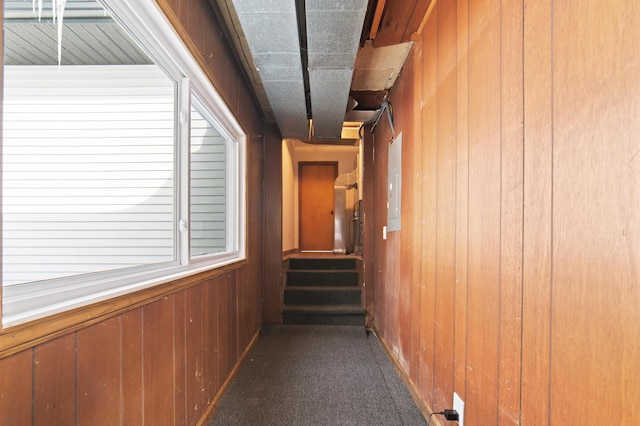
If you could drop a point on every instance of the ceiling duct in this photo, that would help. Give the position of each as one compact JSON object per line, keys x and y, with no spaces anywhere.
{"x":271,"y":31}
{"x":333,"y":35}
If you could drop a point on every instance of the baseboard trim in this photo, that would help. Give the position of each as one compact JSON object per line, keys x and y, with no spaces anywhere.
{"x":424,"y":408}
{"x":207,"y":416}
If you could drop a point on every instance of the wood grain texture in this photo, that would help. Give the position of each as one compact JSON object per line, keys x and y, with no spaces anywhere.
{"x":158,"y":362}
{"x":180,"y":356}
{"x":210,"y":352}
{"x":55,"y":382}
{"x":272,"y":278}
{"x":462,"y":196}
{"x":400,"y":20}
{"x":512,"y":187}
{"x":429,"y":218}
{"x":194,"y":357}
{"x":407,"y":236}
{"x":16,"y":389}
{"x":484,"y":205}
{"x":132,"y":370}
{"x":445,"y":205}
{"x":416,"y":222}
{"x":537,"y":236}
{"x":369,"y":224}
{"x":595,"y":329}
{"x":99,"y":373}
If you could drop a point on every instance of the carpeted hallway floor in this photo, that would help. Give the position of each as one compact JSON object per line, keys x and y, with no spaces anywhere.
{"x":317,"y":375}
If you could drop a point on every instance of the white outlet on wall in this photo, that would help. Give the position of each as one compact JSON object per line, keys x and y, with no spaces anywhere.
{"x":458,"y":405}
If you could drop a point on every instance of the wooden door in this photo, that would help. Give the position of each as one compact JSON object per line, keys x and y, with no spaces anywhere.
{"x":316,"y":201}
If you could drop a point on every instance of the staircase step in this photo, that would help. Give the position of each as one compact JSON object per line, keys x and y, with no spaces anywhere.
{"x":300,"y":278}
{"x":325,"y":315}
{"x":321,"y":263}
{"x":322,"y":295}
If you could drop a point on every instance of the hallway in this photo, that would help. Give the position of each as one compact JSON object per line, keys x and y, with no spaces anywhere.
{"x":312,"y":375}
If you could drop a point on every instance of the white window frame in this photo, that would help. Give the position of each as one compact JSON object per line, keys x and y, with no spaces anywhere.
{"x":35,"y":300}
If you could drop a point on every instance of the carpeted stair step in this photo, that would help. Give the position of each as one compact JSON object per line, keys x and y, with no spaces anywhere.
{"x":315,"y":278}
{"x":322,"y":295}
{"x":325,"y":264}
{"x":325,"y":315}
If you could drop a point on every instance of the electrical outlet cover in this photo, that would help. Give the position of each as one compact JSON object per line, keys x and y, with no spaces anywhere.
{"x":458,"y":405}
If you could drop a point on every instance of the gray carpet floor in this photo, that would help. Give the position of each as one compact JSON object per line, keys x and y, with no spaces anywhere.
{"x":317,"y":375}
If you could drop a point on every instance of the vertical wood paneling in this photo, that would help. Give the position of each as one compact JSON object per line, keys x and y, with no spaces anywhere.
{"x":180,"y":356}
{"x":55,"y":382}
{"x":272,"y":285}
{"x":429,"y":165}
{"x":158,"y":363}
{"x":99,"y":373}
{"x":484,"y":203}
{"x":462,"y":197}
{"x":407,"y":237}
{"x":16,"y":389}
{"x":595,"y":329}
{"x":381,"y":151}
{"x":445,"y":205}
{"x":537,"y":237}
{"x":370,"y":240}
{"x":511,"y":215}
{"x":132,"y":368}
{"x":416,"y":222}
{"x":546,"y":212}
{"x":194,"y":361}
{"x":210,"y":352}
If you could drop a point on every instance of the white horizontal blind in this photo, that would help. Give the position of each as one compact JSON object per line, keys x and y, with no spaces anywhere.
{"x":88,"y":170}
{"x":208,"y":185}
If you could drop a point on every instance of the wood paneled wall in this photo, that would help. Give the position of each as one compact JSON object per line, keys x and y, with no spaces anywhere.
{"x":515,"y":280}
{"x":162,"y":364}
{"x":165,"y":361}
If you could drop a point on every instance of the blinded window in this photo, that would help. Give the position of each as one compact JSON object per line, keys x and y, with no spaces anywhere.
{"x":208,"y":184}
{"x":88,"y":170}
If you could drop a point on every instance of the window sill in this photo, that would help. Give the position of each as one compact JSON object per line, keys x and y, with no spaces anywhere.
{"x":26,"y":335}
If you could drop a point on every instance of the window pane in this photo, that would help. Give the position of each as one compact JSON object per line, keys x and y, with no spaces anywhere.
{"x":88,"y":150}
{"x":208,"y":185}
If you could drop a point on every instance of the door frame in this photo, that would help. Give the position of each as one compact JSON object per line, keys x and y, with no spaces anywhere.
{"x":336,"y":165}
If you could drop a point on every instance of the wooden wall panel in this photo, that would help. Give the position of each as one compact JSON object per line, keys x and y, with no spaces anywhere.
{"x":158,"y":362}
{"x":16,"y":389}
{"x":194,"y":357}
{"x":369,"y":227}
{"x":407,"y":237}
{"x":99,"y":373}
{"x":537,"y":237}
{"x":541,"y":128}
{"x":210,"y":353}
{"x":484,"y":205}
{"x":595,"y":329}
{"x":462,"y":197}
{"x":180,"y":356}
{"x":429,"y":225}
{"x":132,"y":394}
{"x":55,"y":382}
{"x":382,"y":268}
{"x":512,"y":187}
{"x":445,"y":205}
{"x":417,"y":177}
{"x":272,"y":290}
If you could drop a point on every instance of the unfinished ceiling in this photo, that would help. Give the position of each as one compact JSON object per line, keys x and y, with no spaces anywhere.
{"x":314,"y":64}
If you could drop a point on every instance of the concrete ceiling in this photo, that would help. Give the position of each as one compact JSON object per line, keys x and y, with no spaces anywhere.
{"x":305,"y":59}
